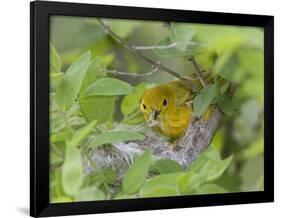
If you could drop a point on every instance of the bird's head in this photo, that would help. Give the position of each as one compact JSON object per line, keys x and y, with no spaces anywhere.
{"x":155,"y":104}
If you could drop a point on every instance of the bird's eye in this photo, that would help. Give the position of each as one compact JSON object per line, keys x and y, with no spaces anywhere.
{"x":165,"y":102}
{"x":144,"y":107}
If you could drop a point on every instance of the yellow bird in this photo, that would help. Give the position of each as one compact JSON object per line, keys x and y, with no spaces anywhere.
{"x":167,"y":108}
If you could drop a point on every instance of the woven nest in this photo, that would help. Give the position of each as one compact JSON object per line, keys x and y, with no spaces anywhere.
{"x":120,"y":156}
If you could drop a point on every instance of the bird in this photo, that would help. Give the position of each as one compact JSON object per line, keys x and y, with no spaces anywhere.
{"x":168,"y":108}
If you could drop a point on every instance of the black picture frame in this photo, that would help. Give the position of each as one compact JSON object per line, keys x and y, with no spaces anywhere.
{"x":39,"y":108}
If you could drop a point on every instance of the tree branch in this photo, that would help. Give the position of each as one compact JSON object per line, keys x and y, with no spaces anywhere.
{"x":116,"y":72}
{"x":162,"y":47}
{"x":158,"y":65}
{"x":197,"y":71}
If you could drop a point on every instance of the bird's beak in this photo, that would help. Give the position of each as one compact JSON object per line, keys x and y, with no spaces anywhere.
{"x":154,"y":114}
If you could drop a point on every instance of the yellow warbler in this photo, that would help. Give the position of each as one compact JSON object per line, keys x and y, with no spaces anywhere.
{"x":166,"y":107}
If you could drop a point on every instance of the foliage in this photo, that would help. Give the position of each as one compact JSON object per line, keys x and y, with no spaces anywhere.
{"x":91,"y":106}
{"x":204,"y":99}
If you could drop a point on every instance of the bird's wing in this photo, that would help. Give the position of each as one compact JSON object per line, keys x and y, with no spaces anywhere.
{"x":182,"y":93}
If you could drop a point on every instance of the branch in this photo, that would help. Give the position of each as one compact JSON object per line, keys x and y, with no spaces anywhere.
{"x":197,"y":71}
{"x":122,"y":73}
{"x":162,"y":47}
{"x":158,"y":65}
{"x":116,"y":72}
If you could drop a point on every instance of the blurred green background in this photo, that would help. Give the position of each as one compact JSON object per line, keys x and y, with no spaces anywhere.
{"x":234,"y":53}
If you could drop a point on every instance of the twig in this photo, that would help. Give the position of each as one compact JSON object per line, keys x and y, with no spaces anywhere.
{"x":138,"y":126}
{"x":93,"y":165}
{"x":116,"y":72}
{"x":158,"y":65}
{"x":162,"y":47}
{"x":197,"y":71}
{"x":86,"y":154}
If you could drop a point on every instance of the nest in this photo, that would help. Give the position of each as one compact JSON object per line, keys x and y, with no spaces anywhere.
{"x":196,"y":139}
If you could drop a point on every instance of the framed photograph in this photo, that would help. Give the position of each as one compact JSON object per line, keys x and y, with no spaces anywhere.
{"x":142,"y":109}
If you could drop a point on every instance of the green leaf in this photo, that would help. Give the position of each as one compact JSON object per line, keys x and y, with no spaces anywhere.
{"x":116,"y":136}
{"x":131,"y":101}
{"x":225,"y":104}
{"x":100,"y":108}
{"x":108,"y":87}
{"x":90,"y":194}
{"x":158,"y":182}
{"x":135,"y":175}
{"x":181,"y":34}
{"x":212,"y":153}
{"x":188,"y":182}
{"x":55,"y":61}
{"x":56,"y":188}
{"x":204,"y":99}
{"x":121,"y":195}
{"x":209,"y":154}
{"x":55,"y":159}
{"x":60,"y":136}
{"x":211,"y":189}
{"x":214,"y":172}
{"x":160,"y":191}
{"x":72,"y":170}
{"x":69,"y":86}
{"x":230,"y":181}
{"x":136,"y":119}
{"x":209,"y":165}
{"x":55,"y":79}
{"x":165,"y":166}
{"x":228,"y":66}
{"x":95,"y":71}
{"x":82,"y":133}
{"x":105,"y":176}
{"x":56,"y":123}
{"x":73,"y":110}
